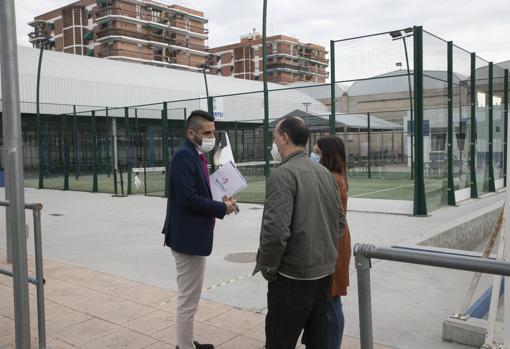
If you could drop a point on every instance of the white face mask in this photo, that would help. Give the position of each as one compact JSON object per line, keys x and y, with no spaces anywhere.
{"x":315,"y":157}
{"x":275,"y":153}
{"x":208,"y":144}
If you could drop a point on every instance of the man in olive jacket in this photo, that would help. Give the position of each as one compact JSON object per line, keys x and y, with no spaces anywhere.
{"x":302,"y":222}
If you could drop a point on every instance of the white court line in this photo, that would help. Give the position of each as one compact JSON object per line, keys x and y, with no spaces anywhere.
{"x":384,"y":190}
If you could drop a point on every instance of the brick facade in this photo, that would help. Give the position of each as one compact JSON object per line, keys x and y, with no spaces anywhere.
{"x":288,"y":59}
{"x":129,"y":30}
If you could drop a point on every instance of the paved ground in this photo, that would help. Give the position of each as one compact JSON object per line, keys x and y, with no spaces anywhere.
{"x":121,"y":237}
{"x":91,"y":310}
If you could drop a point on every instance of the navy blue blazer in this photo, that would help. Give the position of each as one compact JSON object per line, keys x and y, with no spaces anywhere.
{"x":190,"y":212}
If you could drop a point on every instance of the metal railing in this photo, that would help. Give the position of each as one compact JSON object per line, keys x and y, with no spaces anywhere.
{"x":38,"y":281}
{"x":164,"y":19}
{"x":363,"y":254}
{"x":108,"y":52}
{"x":164,"y":39}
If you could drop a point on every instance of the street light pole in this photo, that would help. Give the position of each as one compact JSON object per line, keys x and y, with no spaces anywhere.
{"x":203,"y":67}
{"x":410,"y":104}
{"x":14,"y":171}
{"x":38,"y":118}
{"x":205,"y":80}
{"x":306,"y":104}
{"x":397,"y":35}
{"x":210,"y":106}
{"x":43,"y":43}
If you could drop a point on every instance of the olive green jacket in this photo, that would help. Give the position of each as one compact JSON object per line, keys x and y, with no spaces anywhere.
{"x":302,"y":221}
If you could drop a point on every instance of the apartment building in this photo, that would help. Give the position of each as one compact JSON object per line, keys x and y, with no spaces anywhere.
{"x":288,"y":59}
{"x":141,"y":31}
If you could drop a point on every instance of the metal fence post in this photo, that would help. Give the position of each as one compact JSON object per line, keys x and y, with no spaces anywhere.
{"x":492,"y":186}
{"x":332,"y":78}
{"x":369,"y":153}
{"x":164,"y":134}
{"x":41,"y":313}
{"x":210,"y":109}
{"x":137,"y":141}
{"x":115,"y":156}
{"x":76,"y":144}
{"x":108,"y":140}
{"x":236,"y":155}
{"x":14,"y":170}
{"x":472,"y":149}
{"x":94,"y":153}
{"x":66,"y":151}
{"x":505,"y":116}
{"x":451,"y":185}
{"x":128,"y":142}
{"x":420,"y":204}
{"x":8,"y":226}
{"x":267,"y":146}
{"x":364,"y":301}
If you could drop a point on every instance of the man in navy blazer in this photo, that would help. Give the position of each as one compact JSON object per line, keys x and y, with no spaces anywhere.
{"x":190,"y":220}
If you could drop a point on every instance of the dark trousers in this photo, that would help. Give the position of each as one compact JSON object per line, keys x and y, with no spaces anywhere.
{"x":294,"y":306}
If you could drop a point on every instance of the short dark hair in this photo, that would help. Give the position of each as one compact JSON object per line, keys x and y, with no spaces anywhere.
{"x":295,"y":128}
{"x":197,"y":118}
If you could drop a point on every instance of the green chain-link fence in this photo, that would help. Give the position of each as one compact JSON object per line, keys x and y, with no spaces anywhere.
{"x":424,"y":123}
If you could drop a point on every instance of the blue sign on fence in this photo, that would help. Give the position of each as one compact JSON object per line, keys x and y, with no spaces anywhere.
{"x":426,"y":127}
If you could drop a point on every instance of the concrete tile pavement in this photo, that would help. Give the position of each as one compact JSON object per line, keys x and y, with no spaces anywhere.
{"x":120,"y":238}
{"x":90,"y":310}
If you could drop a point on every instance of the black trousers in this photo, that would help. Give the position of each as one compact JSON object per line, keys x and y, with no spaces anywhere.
{"x":294,"y":306}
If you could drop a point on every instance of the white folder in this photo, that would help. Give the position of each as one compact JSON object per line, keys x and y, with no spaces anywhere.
{"x":226,"y":181}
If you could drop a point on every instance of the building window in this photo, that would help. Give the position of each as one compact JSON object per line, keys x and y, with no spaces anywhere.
{"x":437,"y":141}
{"x":481,"y":97}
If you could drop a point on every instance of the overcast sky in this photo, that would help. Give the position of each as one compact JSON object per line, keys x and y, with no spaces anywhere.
{"x":481,"y":26}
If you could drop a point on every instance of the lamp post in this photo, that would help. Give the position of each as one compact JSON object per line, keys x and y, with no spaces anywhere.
{"x":203,"y":67}
{"x":210,"y":108}
{"x":306,"y":104}
{"x":45,"y":42}
{"x":397,"y":35}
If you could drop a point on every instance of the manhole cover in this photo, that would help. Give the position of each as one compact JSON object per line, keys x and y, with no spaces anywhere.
{"x":242,"y":257}
{"x":55,"y":214}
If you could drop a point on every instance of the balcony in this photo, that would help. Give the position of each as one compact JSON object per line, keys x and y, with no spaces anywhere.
{"x":162,"y":20}
{"x":149,"y":37}
{"x":106,"y":52}
{"x":295,"y":68}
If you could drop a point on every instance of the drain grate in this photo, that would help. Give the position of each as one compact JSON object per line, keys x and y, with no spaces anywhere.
{"x":256,"y":208}
{"x":55,"y":214}
{"x":242,"y":257}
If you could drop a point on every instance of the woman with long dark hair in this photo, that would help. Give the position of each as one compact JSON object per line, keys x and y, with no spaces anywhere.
{"x":330,"y":152}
